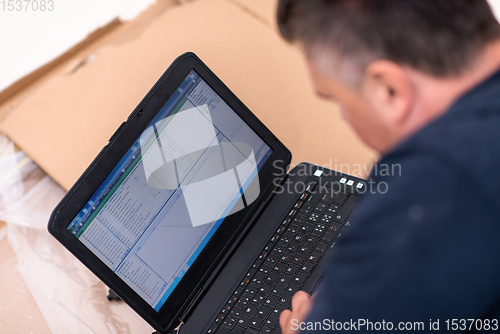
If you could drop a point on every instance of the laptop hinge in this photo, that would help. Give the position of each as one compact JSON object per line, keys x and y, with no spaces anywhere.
{"x":186,"y":312}
{"x":192,"y":304}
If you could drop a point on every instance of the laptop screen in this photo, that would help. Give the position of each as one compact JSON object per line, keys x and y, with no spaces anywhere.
{"x":196,"y":163}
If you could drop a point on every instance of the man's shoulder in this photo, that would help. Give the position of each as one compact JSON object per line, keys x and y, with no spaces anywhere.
{"x":465,"y":142}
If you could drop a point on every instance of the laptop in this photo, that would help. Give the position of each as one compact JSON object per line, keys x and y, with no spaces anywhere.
{"x":191,"y":216}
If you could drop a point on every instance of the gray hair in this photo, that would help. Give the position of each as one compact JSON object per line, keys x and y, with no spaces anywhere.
{"x":437,"y":37}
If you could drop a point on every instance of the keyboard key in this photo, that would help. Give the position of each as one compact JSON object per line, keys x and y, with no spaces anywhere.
{"x":266,"y":288}
{"x":327,"y":218}
{"x":265,"y":269}
{"x":271,"y":300}
{"x":230,"y":322}
{"x":313,"y":257}
{"x":304,"y":196}
{"x":321,"y":207}
{"x":259,"y":299}
{"x":245,"y":282}
{"x":321,"y":247}
{"x":273,"y":257}
{"x":266,"y":330}
{"x":279,"y":267}
{"x":334,"y":228}
{"x":276,"y":237}
{"x":286,"y":299}
{"x":320,"y":228}
{"x":294,"y":246}
{"x":258,"y":279}
{"x":212,"y":329}
{"x":251,"y":310}
{"x":306,"y":248}
{"x":300,"y":219}
{"x":299,"y":258}
{"x":313,"y":238}
{"x":272,"y":321}
{"x":232,"y":300}
{"x":251,"y":331}
{"x":237,"y":330}
{"x":314,"y":198}
{"x":273,"y":278}
{"x":293,"y":228}
{"x":244,"y":321}
{"x":314,"y":217}
{"x":287,"y":238}
{"x":333,"y":209}
{"x":251,"y":290}
{"x":306,"y":209}
{"x":300,"y":278}
{"x":311,"y":187}
{"x":278,"y":309}
{"x":244,"y":301}
{"x":279,"y":289}
{"x":269,"y":247}
{"x":328,"y":237}
{"x":300,"y":237}
{"x":257,"y":264}
{"x":307,"y":227}
{"x":334,"y":196}
{"x":223,"y":330}
{"x":292,"y":269}
{"x":250,"y":273}
{"x":293,"y":288}
{"x":219,"y":319}
{"x":239,"y":290}
{"x":256,"y":323}
{"x":264,"y":311}
{"x":307,"y":267}
{"x":285,"y":279}
{"x":280,"y":230}
{"x":226,"y":309}
{"x":237,"y":311}
{"x":346,"y":209}
{"x":287,"y":257}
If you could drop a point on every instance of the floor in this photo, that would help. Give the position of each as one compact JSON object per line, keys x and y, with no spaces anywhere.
{"x":19,"y":312}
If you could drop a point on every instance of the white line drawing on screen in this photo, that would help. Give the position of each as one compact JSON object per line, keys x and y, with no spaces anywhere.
{"x":217,"y":177}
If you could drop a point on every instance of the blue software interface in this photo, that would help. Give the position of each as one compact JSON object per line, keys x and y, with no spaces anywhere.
{"x":195,"y":164}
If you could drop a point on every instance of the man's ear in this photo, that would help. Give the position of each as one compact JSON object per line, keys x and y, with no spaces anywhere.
{"x":389,"y":91}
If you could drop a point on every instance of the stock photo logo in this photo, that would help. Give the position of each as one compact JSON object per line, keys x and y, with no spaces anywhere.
{"x":215,"y":175}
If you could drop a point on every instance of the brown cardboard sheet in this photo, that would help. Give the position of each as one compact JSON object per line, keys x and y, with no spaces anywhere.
{"x":65,"y":122}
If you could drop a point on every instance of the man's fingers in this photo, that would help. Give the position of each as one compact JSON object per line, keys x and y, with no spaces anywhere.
{"x":284,"y":318}
{"x":301,"y":305}
{"x":299,"y":300}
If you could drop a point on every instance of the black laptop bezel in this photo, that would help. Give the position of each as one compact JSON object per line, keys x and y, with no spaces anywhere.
{"x":167,"y":317}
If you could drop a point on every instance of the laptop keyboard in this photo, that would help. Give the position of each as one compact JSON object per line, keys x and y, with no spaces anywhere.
{"x":286,"y":262}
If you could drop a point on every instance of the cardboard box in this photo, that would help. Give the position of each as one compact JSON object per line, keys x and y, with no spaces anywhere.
{"x":263,"y":10}
{"x":68,"y":116}
{"x":63,"y":114}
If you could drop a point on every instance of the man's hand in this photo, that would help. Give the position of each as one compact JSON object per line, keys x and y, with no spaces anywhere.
{"x":301,"y":306}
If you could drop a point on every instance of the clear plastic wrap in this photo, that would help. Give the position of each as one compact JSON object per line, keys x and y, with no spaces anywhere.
{"x":70,"y":297}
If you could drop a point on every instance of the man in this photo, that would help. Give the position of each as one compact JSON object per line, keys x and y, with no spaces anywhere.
{"x":419,"y":82}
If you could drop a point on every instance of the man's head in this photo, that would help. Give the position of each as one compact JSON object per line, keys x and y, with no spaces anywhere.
{"x":393,"y":65}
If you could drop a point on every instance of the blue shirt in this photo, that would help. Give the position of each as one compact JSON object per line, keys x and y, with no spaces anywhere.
{"x":429,"y":248}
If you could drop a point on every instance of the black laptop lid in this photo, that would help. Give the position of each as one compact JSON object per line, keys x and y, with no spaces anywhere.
{"x":160,"y":206}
